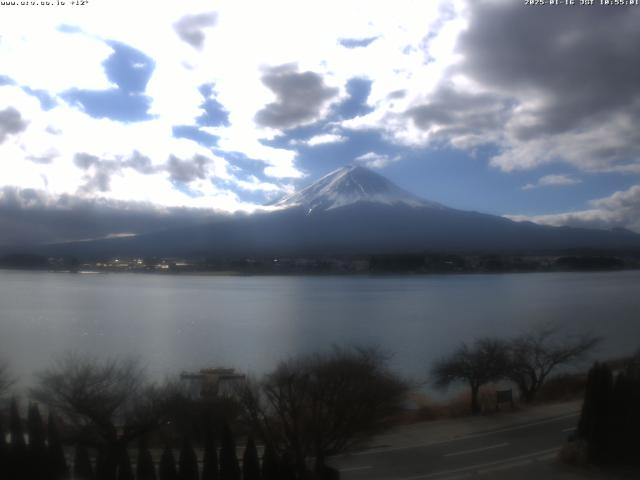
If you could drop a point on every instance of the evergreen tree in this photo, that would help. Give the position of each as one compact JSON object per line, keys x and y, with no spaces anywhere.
{"x":250,"y":461}
{"x":270,"y":468}
{"x":82,"y":469}
{"x":287,"y":468}
{"x":16,"y":433}
{"x":4,"y":450}
{"x":596,"y":412}
{"x":106,"y":464}
{"x":37,"y":451}
{"x":17,"y":461}
{"x":125,"y":472}
{"x":229,"y":467}
{"x":168,"y":465}
{"x":145,"y":470}
{"x":210,"y":469}
{"x":188,"y":462}
{"x":618,"y":417}
{"x":57,"y":463}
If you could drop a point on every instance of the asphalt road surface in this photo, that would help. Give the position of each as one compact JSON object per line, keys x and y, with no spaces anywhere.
{"x":488,"y":453}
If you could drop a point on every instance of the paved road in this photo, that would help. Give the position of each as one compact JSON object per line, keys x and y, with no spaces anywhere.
{"x":477,"y":454}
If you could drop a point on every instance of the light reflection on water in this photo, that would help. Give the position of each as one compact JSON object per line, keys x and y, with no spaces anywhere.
{"x":189,"y":322}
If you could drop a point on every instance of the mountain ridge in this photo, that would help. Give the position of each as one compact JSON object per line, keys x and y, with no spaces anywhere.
{"x":352,"y":211}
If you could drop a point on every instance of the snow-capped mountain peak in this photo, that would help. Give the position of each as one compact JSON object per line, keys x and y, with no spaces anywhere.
{"x":349,"y":185}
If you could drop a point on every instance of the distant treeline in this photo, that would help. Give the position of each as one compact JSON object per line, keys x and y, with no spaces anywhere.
{"x":342,"y":264}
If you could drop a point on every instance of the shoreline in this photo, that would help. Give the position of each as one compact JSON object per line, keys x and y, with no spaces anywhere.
{"x":310,"y":273}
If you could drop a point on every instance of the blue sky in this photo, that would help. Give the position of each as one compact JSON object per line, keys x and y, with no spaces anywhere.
{"x":219,"y":106}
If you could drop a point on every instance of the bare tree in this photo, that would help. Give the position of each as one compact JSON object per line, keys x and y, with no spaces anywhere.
{"x":6,"y":380}
{"x":110,"y":399}
{"x":323,"y":404}
{"x":535,"y":355}
{"x":483,"y":362}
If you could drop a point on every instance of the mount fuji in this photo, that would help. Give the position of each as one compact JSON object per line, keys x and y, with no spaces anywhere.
{"x":349,"y":185}
{"x":354,"y":210}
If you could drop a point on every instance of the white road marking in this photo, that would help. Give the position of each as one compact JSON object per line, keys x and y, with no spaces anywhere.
{"x":353,"y":469}
{"x":478,"y":466}
{"x":482,"y":449}
{"x":473,"y":435}
{"x":570,"y":429}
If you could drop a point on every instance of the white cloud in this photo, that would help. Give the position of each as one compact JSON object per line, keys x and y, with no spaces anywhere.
{"x":620,"y":210}
{"x":321,"y":139}
{"x":556,"y":180}
{"x":49,"y":60}
{"x":112,"y":143}
{"x":34,"y":52}
{"x":375,"y":160}
{"x":426,"y":89}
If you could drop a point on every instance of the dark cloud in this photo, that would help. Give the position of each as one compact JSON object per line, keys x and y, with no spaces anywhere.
{"x":140,"y":163}
{"x":397,"y":94}
{"x":85,"y":161}
{"x":460,"y":116}
{"x":356,"y":42}
{"x":30,"y":216}
{"x":583,"y":63}
{"x":190,"y":28}
{"x":11,"y":122}
{"x":300,"y":97}
{"x":99,"y":172}
{"x":185,"y":171}
{"x":550,"y":84}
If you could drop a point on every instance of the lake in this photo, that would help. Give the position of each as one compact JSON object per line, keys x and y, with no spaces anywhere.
{"x":180,"y":322}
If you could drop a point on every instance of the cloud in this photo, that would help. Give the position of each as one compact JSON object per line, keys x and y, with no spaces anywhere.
{"x":321,"y":139}
{"x":463,"y":119}
{"x":620,"y":210}
{"x":185,"y":171}
{"x":30,"y":216}
{"x":552,"y":181}
{"x":567,"y":94}
{"x":590,"y":71}
{"x":11,"y":122}
{"x":375,"y":160}
{"x":539,"y":86}
{"x":98,"y":172}
{"x":140,"y":163}
{"x":53,"y":58}
{"x":190,"y":28}
{"x":301,"y":97}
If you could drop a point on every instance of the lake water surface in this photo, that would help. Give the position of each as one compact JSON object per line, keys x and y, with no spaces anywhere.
{"x":179,"y":322}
